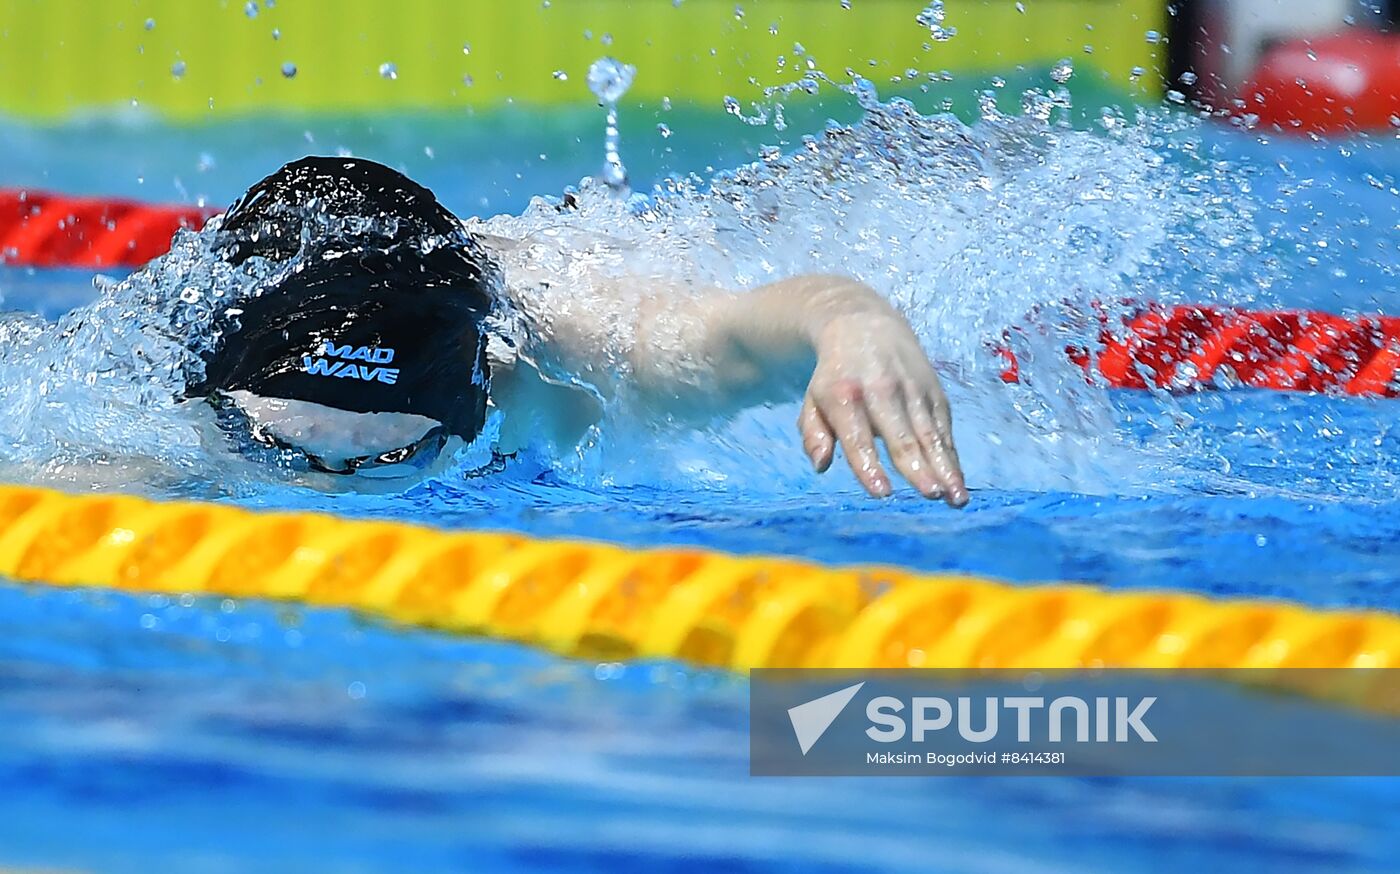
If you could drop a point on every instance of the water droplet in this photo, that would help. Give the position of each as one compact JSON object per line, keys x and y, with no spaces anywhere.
{"x":177,"y":69}
{"x":355,"y":690}
{"x":250,"y":9}
{"x":150,"y":24}
{"x":289,"y":70}
{"x":773,"y":28}
{"x":932,"y":18}
{"x":1187,"y":78}
{"x":468,"y":81}
{"x":561,"y":75}
{"x":1021,"y":8}
{"x":276,"y":33}
{"x":866,"y":94}
{"x":1063,"y":71}
{"x":1153,"y":37}
{"x":466,"y":48}
{"x":738,"y":13}
{"x":388,"y":70}
{"x":1176,"y":97}
{"x":609,"y":79}
{"x":1137,"y":72}
{"x":664,"y":131}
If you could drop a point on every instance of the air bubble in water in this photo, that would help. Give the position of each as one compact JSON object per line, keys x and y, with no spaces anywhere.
{"x":150,"y":24}
{"x":250,"y":9}
{"x":190,"y":295}
{"x":177,"y":69}
{"x":664,"y":131}
{"x":289,"y":70}
{"x":1153,"y":37}
{"x":1187,"y":78}
{"x":388,"y":70}
{"x":1063,"y":71}
{"x":561,"y":75}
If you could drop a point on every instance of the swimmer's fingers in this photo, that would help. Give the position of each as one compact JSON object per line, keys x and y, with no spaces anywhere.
{"x":890,"y":411}
{"x":818,"y":440}
{"x":843,"y":406}
{"x":933,"y":423}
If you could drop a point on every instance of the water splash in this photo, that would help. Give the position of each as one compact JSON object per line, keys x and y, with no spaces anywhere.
{"x":1015,"y":222}
{"x":1006,"y":231}
{"x":932,"y":17}
{"x":609,"y":80}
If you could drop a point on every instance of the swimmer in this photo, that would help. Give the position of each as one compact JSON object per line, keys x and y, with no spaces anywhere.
{"x":378,"y":349}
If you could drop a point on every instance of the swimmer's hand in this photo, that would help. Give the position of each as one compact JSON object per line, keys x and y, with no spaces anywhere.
{"x":866,"y":375}
{"x":872,"y":379}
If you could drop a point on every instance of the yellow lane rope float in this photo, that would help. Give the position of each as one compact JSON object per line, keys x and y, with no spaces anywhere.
{"x":609,"y":603}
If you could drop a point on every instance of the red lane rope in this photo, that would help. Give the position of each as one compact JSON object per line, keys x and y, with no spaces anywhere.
{"x":1288,"y":350}
{"x":1164,"y":347}
{"x":41,"y":229}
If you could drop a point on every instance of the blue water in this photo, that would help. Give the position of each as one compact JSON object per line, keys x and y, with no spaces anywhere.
{"x":140,"y":734}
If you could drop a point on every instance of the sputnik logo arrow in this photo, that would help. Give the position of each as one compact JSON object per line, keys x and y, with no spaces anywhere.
{"x":811,"y":720}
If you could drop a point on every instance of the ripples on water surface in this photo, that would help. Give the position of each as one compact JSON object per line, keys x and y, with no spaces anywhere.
{"x":120,"y":713}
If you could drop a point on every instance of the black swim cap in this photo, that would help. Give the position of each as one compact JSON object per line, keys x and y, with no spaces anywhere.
{"x":378,"y":306}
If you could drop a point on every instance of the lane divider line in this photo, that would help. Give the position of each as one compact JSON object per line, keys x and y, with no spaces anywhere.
{"x":604,"y":602}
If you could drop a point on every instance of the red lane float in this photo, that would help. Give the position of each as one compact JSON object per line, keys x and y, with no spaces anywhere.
{"x":1340,"y":83}
{"x":1170,"y":348}
{"x":1199,"y":346}
{"x":39,"y":229}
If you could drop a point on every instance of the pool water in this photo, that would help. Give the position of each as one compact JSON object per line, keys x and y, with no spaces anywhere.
{"x":145,"y":733}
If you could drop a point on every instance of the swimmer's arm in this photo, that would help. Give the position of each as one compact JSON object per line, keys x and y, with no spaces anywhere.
{"x":832,"y":340}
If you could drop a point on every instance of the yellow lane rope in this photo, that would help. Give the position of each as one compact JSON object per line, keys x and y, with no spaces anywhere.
{"x":610,"y":603}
